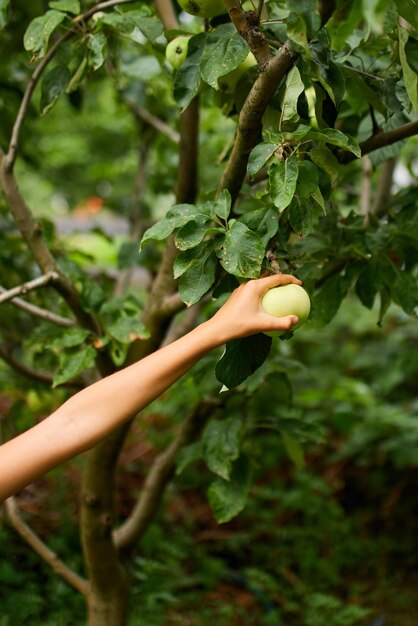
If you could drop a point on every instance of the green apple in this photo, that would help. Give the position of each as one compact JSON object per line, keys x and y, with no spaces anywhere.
{"x":286,"y":300}
{"x":203,"y":8}
{"x":176,"y":51}
{"x":228,"y":82}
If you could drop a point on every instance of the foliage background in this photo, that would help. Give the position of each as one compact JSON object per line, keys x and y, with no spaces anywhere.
{"x":329,"y":421}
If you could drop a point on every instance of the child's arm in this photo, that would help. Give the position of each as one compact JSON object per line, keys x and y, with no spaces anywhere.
{"x":90,"y":415}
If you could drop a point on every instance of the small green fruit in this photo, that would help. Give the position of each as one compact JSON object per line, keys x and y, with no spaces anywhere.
{"x":228,"y":83}
{"x":203,"y":8}
{"x":176,"y":51}
{"x":287,"y":300}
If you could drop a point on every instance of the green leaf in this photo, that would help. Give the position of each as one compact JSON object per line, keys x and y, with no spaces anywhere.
{"x":193,"y":233}
{"x":40,"y":30}
{"x":292,"y":138}
{"x":262,"y":221}
{"x":369,"y":282}
{"x":408,"y":10}
{"x":96,"y":43}
{"x":53,"y":85}
{"x":242,"y":357}
{"x":411,"y":51}
{"x":332,"y":80}
{"x":319,"y":198}
{"x":307,"y":9}
{"x":242,"y":251}
{"x":297,"y":33}
{"x":307,"y":179}
{"x":221,"y":445}
{"x":410,"y":77}
{"x":175,"y":218}
{"x":71,"y":338}
{"x":326,"y":160}
{"x":136,"y":24}
{"x":359,"y":91}
{"x":385,"y":302}
{"x":188,"y":455}
{"x":4,"y":5}
{"x":283,"y":176}
{"x":294,"y":450}
{"x":71,"y":6}
{"x":327,"y":302}
{"x":159,"y":231}
{"x":73,"y":364}
{"x":92,"y":296}
{"x":78,"y":76}
{"x":337,"y":138}
{"x":405,"y":292}
{"x":224,"y":50}
{"x":346,"y":17}
{"x":186,"y":259}
{"x":259,"y":156}
{"x":223,"y":204}
{"x":294,"y":87}
{"x":303,"y":215}
{"x":188,"y":80}
{"x":127,"y":328}
{"x":151,"y":27}
{"x":198,"y":278}
{"x":228,"y":498}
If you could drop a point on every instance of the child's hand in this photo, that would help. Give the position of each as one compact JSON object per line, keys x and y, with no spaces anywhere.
{"x":242,"y":314}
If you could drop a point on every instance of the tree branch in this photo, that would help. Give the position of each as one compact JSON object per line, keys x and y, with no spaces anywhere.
{"x":42,"y":313}
{"x":250,"y":118}
{"x":31,"y":538}
{"x":365,"y":189}
{"x":384,"y":186}
{"x":248,"y":26}
{"x":153,"y":121}
{"x":167,"y":14}
{"x":25,"y":288}
{"x":159,"y":476}
{"x":380,"y":140}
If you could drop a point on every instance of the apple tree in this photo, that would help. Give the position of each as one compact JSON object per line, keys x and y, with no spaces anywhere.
{"x":270,"y":146}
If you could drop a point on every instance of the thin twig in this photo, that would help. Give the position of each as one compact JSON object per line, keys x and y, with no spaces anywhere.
{"x":260,"y":9}
{"x":36,"y":310}
{"x":153,"y":121}
{"x":380,"y":140}
{"x":23,"y":289}
{"x":36,"y":543}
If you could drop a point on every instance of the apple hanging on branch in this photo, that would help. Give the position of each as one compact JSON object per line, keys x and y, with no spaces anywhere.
{"x":287,"y":300}
{"x":176,"y":51}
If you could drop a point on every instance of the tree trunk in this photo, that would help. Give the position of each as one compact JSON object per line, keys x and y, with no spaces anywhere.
{"x":109,"y":581}
{"x":108,"y":609}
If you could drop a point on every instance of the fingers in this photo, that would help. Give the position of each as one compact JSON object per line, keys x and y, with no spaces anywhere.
{"x":279,"y":323}
{"x":264,"y":284}
{"x":286,"y":323}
